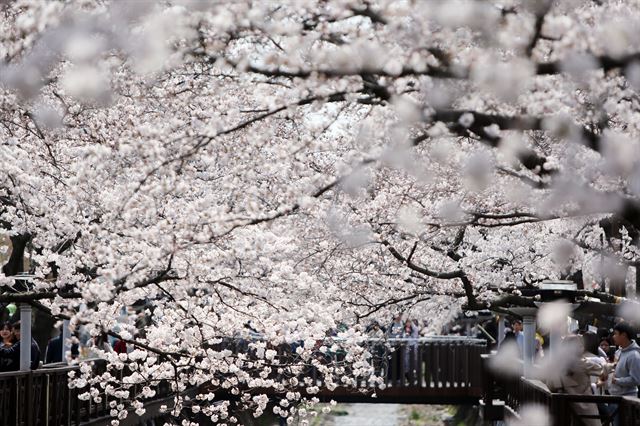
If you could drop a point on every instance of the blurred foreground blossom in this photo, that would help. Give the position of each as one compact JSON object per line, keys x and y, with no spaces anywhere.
{"x":507,"y":361}
{"x":532,"y":415}
{"x":630,"y":311}
{"x":553,"y":316}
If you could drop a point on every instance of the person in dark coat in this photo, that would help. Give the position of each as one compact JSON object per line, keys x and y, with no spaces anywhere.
{"x":14,"y":351}
{"x":8,"y":357}
{"x":54,"y":350}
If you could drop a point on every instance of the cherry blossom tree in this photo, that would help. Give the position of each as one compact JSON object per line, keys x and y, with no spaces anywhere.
{"x":283,"y":169}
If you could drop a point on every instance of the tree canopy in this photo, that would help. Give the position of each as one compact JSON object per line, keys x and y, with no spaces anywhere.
{"x":285,"y":168}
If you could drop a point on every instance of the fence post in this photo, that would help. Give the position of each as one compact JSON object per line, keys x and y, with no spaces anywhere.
{"x":419,"y":358}
{"x":490,"y":412}
{"x":29,"y":395}
{"x":402,"y":362}
{"x":47,"y":396}
{"x":487,"y":381}
{"x":559,"y":410}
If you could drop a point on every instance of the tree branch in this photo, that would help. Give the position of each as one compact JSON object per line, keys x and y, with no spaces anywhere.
{"x":31,"y":296}
{"x":466,"y":283}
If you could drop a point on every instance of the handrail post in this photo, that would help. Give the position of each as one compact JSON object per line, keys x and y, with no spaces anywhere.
{"x":30,"y":398}
{"x":490,"y":412}
{"x":559,"y":408}
{"x":47,"y":399}
{"x":487,"y":382}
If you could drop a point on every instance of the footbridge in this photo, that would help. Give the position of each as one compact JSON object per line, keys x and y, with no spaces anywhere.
{"x":433,"y":370}
{"x":429,"y":370}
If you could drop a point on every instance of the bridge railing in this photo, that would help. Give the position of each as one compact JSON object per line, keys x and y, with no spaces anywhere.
{"x":39,"y":397}
{"x":504,"y":396}
{"x":408,"y":369}
{"x":432,"y":363}
{"x":434,"y":369}
{"x":43,"y":397}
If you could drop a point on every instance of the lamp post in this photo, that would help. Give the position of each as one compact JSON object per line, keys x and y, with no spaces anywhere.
{"x":25,"y":337}
{"x":555,"y":291}
{"x":548,"y":291}
{"x":25,"y":326}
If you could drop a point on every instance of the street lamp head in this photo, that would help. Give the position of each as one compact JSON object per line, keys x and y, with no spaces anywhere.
{"x":558,"y":289}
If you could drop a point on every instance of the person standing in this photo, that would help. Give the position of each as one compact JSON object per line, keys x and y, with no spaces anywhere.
{"x":35,"y":349}
{"x":517,"y":331}
{"x":120,"y":347}
{"x":9,"y":360}
{"x":576,"y":380}
{"x":625,"y":372}
{"x":13,"y":352}
{"x":377,"y":347}
{"x":53,"y":353}
{"x":396,"y":328}
{"x":410,"y":334}
{"x":592,"y":353}
{"x":604,"y":349}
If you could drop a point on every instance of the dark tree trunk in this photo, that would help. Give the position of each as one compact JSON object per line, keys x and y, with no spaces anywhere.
{"x":15,"y":264}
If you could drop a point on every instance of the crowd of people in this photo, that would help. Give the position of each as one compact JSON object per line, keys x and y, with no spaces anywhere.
{"x":594,"y":361}
{"x":398,"y":328}
{"x":594,"y":364}
{"x":11,"y":347}
{"x":409,"y":330}
{"x":601,"y":362}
